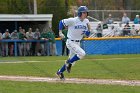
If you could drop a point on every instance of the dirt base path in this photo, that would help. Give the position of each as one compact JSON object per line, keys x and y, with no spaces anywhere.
{"x":72,"y":80}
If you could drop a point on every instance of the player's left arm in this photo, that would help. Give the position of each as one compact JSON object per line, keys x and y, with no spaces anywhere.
{"x":61,"y":26}
{"x":88,"y":31}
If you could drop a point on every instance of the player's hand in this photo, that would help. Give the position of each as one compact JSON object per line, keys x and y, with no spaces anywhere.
{"x":44,"y":39}
{"x":86,"y":32}
{"x":61,"y":35}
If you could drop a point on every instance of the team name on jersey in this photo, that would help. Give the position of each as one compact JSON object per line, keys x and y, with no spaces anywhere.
{"x":80,"y":27}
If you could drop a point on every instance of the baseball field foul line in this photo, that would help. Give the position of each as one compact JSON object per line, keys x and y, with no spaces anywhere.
{"x":72,"y":80}
{"x":33,"y":61}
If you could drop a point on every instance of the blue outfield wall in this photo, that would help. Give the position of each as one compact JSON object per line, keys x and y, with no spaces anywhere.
{"x":108,"y":46}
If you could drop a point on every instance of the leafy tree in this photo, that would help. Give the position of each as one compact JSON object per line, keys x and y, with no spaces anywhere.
{"x":3,"y":6}
{"x":58,"y":8}
{"x":17,"y":6}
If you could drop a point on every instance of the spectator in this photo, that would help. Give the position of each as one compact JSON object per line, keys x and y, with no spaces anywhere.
{"x":109,"y":20}
{"x":36,"y":36}
{"x":125,"y":19}
{"x":99,"y":30}
{"x":44,"y":46}
{"x":119,"y":30}
{"x":14,"y":36}
{"x":29,"y":47}
{"x":0,"y":44}
{"x":137,"y":20}
{"x":138,"y":32}
{"x":22,"y":45}
{"x":112,"y":31}
{"x":126,"y":30}
{"x":52,"y":45}
{"x":5,"y":45}
{"x":64,"y":47}
{"x":133,"y":30}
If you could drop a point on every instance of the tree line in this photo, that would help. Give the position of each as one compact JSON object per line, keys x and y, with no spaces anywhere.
{"x":62,"y":8}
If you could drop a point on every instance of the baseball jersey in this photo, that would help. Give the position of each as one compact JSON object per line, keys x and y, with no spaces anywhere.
{"x":14,"y":35}
{"x":36,"y":35}
{"x":4,"y":36}
{"x":75,"y":27}
{"x":0,"y":36}
{"x":29,"y":35}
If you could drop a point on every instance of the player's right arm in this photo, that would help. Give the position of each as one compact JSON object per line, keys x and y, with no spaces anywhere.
{"x":61,"y":26}
{"x":63,"y":23}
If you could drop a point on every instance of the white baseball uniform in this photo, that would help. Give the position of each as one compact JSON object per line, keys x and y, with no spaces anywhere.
{"x":75,"y":34}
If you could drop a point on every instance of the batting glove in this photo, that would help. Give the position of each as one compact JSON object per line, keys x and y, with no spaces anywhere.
{"x":87,"y":33}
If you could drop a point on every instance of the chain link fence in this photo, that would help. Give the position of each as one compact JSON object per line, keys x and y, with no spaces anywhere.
{"x":113,"y":40}
{"x":116,"y":28}
{"x":110,"y":46}
{"x":116,"y":14}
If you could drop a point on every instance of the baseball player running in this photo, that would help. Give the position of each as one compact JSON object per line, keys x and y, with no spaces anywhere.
{"x":77,"y":28}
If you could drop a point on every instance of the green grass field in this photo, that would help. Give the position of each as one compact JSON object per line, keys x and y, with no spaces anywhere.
{"x":122,"y":67}
{"x":43,"y":87}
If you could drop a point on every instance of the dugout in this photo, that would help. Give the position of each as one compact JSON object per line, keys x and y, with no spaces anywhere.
{"x":13,"y":21}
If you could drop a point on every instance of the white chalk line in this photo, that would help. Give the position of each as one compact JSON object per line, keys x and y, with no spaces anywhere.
{"x":34,"y":61}
{"x":71,"y":80}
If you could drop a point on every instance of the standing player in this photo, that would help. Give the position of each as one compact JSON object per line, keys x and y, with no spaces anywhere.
{"x":77,"y":28}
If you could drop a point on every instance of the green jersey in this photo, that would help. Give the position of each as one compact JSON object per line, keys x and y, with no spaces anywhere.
{"x":51,"y":36}
{"x":65,"y":31}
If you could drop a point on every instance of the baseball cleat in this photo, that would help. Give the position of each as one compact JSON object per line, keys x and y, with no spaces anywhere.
{"x":68,"y":67}
{"x":60,"y":75}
